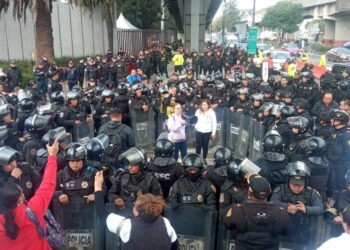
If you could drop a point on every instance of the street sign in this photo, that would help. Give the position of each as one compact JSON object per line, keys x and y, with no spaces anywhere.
{"x":252,"y":39}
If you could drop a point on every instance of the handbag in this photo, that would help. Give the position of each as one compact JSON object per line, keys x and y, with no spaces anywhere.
{"x":55,"y":234}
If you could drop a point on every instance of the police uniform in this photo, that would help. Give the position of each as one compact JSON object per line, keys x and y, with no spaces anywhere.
{"x":29,"y":181}
{"x":130,"y":186}
{"x":69,"y":115}
{"x":75,"y":184}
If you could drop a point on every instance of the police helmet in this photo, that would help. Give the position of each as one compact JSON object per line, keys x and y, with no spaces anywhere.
{"x":274,"y":146}
{"x":287,"y":94}
{"x":3,"y":133}
{"x":136,"y":86}
{"x":164,"y":89}
{"x":313,"y":146}
{"x":267,"y":106}
{"x":73,"y":95}
{"x":222,"y":156}
{"x":243,"y":90}
{"x":266,"y":89}
{"x":164,"y":147}
{"x":257,"y":97}
{"x":122,"y":88}
{"x":46,"y":109}
{"x":59,"y":134}
{"x":134,"y":156}
{"x":7,"y":155}
{"x":299,"y":122}
{"x":27,"y":105}
{"x":192,"y":160}
{"x":324,"y":116}
{"x":302,"y":103}
{"x":218,"y":76}
{"x":201,"y":77}
{"x":210,"y":79}
{"x":271,"y":79}
{"x":107,"y":93}
{"x":183,"y":87}
{"x":58,"y":97}
{"x":75,"y":152}
{"x":99,"y":88}
{"x":298,"y":168}
{"x":340,"y":115}
{"x":77,"y":88}
{"x":95,"y":148}
{"x":234,"y":172}
{"x":287,"y":111}
{"x":36,"y":123}
{"x":219,"y":85}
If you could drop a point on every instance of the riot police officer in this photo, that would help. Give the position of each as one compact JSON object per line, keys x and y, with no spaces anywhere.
{"x":164,"y":166}
{"x":35,"y":127}
{"x":139,"y":102}
{"x":193,"y":189}
{"x":339,"y":148}
{"x":274,"y":158}
{"x":26,"y":108}
{"x":14,"y":135}
{"x":122,"y":101}
{"x":320,"y":171}
{"x":308,"y":89}
{"x":300,"y":200}
{"x":135,"y":181}
{"x":324,"y":127}
{"x":75,"y":180}
{"x":258,"y":222}
{"x":73,"y":114}
{"x":20,"y":173}
{"x":103,"y":108}
{"x":218,"y":174}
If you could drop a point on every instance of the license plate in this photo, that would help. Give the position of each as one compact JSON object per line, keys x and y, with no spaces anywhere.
{"x":190,"y":243}
{"x":75,"y":239}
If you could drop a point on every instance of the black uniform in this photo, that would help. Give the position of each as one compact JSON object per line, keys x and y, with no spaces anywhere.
{"x":167,"y":171}
{"x":277,"y":175}
{"x":29,"y":181}
{"x":129,"y":186}
{"x":258,"y":224}
{"x":69,"y":115}
{"x":232,"y":192}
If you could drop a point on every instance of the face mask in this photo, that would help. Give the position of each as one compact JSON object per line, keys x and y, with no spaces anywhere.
{"x":195,"y":176}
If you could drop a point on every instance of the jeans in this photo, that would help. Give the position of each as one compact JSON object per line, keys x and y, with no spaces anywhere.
{"x":182,"y":147}
{"x":202,"y":141}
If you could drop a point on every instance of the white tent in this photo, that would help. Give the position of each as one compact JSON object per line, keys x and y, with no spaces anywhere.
{"x":123,"y":23}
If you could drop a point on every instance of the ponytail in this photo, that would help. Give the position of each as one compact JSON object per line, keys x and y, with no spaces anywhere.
{"x":11,"y":227}
{"x":9,"y":195}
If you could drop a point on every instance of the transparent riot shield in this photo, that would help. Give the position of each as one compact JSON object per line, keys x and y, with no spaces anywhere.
{"x":220,"y":129}
{"x":82,"y":228}
{"x":195,"y":227}
{"x":242,"y":143}
{"x":143,"y":128}
{"x":232,"y":128}
{"x":257,"y":132}
{"x":82,"y":133}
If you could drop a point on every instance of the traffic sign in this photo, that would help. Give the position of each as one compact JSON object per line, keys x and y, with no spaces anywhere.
{"x":252,"y":39}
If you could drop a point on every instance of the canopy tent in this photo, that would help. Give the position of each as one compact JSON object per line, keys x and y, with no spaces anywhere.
{"x":123,"y":23}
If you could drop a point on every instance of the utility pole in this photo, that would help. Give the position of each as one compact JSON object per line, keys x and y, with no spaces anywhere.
{"x":223,"y":23}
{"x":253,"y":21}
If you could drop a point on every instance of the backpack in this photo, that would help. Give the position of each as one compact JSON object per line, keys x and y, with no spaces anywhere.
{"x":55,"y":234}
{"x":115,"y":146}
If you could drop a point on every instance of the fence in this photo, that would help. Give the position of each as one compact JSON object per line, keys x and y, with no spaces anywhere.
{"x":77,"y":31}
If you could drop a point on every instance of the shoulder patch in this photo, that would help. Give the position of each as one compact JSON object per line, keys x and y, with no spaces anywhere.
{"x":229,"y":213}
{"x":349,"y":143}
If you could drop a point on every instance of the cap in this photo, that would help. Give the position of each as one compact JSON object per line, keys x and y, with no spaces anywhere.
{"x":13,"y":62}
{"x":297,"y":180}
{"x":259,"y":186}
{"x":115,"y":111}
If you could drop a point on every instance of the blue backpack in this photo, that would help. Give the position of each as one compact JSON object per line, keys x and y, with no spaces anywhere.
{"x":54,"y":235}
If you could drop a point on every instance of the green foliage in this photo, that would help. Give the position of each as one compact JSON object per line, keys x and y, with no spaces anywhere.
{"x":231,"y":17}
{"x":319,"y":48}
{"x":284,"y":16}
{"x":144,"y":14}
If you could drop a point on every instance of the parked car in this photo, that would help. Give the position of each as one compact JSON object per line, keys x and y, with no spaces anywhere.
{"x":338,"y":55}
{"x":346,"y":45}
{"x":292,"y":49}
{"x":279,"y":57}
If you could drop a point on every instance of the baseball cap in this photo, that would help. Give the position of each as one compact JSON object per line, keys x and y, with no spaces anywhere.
{"x":297,"y":180}
{"x":259,"y":186}
{"x":116,"y":111}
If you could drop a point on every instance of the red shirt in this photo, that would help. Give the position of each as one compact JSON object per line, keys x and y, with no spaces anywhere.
{"x":28,"y":237}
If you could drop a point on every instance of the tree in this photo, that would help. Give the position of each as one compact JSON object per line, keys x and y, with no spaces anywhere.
{"x":41,"y":10}
{"x":232,"y":17}
{"x":144,"y":14}
{"x":284,"y":16}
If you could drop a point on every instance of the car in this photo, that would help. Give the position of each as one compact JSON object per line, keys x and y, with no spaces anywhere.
{"x":346,"y":45}
{"x":338,"y":55}
{"x":279,"y":57}
{"x":292,"y":49}
{"x":263,"y":47}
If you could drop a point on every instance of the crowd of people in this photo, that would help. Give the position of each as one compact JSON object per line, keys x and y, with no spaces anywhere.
{"x":302,"y":171}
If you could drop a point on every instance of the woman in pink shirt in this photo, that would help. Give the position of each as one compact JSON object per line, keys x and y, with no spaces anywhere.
{"x":176,"y":126}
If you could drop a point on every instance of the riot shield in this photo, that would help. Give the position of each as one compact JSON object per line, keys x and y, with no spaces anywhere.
{"x":113,"y":240}
{"x":82,"y":228}
{"x":225,"y":238}
{"x":143,"y":128}
{"x":232,"y":128}
{"x":82,"y":133}
{"x":3,"y":100}
{"x":195,"y":227}
{"x":242,"y":142}
{"x":257,"y":132}
{"x":190,"y":130}
{"x":220,"y":129}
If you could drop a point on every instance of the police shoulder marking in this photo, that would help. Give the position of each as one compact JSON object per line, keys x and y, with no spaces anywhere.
{"x":229,"y":213}
{"x":213,"y":188}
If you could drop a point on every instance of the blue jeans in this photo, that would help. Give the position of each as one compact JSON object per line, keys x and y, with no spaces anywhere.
{"x":182,"y":147}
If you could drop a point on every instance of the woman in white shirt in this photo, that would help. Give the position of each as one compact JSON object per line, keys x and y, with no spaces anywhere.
{"x":205,"y":127}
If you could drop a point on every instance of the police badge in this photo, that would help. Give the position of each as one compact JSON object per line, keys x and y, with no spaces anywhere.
{"x":84,"y":184}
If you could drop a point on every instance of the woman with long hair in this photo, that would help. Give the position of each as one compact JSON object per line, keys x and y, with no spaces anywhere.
{"x":205,"y":128}
{"x":17,"y":231}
